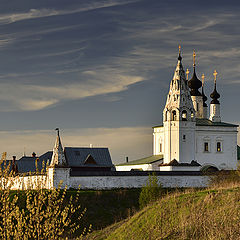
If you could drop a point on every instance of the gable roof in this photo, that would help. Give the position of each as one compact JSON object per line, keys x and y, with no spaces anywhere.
{"x":28,"y":164}
{"x":89,"y":160}
{"x":146,"y":160}
{"x":76,"y":157}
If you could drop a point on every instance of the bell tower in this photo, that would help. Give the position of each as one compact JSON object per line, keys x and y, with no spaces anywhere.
{"x":179,"y":119}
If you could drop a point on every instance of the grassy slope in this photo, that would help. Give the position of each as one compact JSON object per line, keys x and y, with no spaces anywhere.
{"x":204,"y":214}
{"x":107,"y":207}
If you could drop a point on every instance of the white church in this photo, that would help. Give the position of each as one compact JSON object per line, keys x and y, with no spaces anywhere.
{"x":190,"y":139}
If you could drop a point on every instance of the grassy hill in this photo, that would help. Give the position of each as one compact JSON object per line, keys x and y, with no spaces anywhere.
{"x":207,"y":214}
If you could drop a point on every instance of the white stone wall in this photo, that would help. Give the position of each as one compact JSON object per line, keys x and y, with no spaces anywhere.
{"x":180,"y":168}
{"x":111,"y":182}
{"x":28,"y":182}
{"x":215,"y":113}
{"x":101,"y":182}
{"x":227,"y":158}
{"x":177,"y":139}
{"x":198,"y":106}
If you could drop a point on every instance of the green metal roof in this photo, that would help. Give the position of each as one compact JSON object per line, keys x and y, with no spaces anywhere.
{"x":238,"y":152}
{"x":207,"y":122}
{"x":147,"y":160}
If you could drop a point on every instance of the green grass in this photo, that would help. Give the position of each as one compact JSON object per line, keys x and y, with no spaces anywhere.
{"x":204,"y":214}
{"x":103,"y":207}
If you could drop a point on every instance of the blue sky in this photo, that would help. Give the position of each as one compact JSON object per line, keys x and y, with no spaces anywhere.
{"x":100,"y":70}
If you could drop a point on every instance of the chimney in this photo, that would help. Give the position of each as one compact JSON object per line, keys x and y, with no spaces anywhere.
{"x":14,"y":165}
{"x":91,"y":145}
{"x":127,"y":159}
{"x":33,"y":154}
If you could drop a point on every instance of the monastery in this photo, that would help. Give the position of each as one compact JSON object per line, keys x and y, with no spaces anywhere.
{"x":189,"y":143}
{"x":190,"y":139}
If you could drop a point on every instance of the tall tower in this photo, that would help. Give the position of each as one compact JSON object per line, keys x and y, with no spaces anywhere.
{"x":58,"y":157}
{"x":215,"y":104}
{"x":179,"y":119}
{"x":194,"y":84}
{"x":205,"y":106}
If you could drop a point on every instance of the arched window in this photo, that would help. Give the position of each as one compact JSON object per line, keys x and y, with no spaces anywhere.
{"x":219,"y":147}
{"x":174,"y":115}
{"x":184,"y":115}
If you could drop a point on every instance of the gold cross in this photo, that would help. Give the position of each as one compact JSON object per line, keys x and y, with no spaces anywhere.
{"x":179,"y":49}
{"x":194,"y":56}
{"x":215,"y":76}
{"x":187,"y":72}
{"x":203,"y":77}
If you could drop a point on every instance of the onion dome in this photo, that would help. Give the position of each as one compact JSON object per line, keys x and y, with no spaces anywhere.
{"x":215,"y":95}
{"x":204,"y":96}
{"x":194,"y":83}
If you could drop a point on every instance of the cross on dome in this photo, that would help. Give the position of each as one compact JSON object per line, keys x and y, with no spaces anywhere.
{"x":194,"y":58}
{"x":215,"y":76}
{"x":187,"y":72}
{"x":203,"y":77}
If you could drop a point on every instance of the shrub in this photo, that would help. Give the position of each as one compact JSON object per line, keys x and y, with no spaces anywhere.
{"x":38,"y":213}
{"x":151,"y":191}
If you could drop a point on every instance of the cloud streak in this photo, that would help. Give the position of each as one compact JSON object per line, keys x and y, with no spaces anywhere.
{"x":29,"y":97}
{"x":40,"y":13}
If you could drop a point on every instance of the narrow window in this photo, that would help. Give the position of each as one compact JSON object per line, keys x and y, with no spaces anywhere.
{"x":219,"y":148}
{"x":160,"y":147}
{"x":192,"y":115}
{"x":206,"y":149}
{"x":174,"y":115}
{"x":184,"y":115}
{"x":184,"y":137}
{"x":197,"y":106}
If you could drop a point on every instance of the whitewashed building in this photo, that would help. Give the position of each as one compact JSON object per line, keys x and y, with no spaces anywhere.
{"x":189,"y":139}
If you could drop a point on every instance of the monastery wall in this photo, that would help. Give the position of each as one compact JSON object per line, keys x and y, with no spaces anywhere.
{"x":107,"y":180}
{"x":111,"y":182}
{"x":117,"y":179}
{"x":27,"y":182}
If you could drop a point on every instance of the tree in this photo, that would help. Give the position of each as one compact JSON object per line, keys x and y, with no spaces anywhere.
{"x":151,"y":191}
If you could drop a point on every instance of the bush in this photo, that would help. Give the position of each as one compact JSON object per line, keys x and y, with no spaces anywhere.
{"x":38,"y":213}
{"x":150,"y":192}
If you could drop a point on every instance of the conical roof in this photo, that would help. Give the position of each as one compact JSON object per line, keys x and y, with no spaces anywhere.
{"x":58,"y":157}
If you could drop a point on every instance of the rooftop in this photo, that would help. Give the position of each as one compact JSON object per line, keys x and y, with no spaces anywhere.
{"x":207,"y":122}
{"x":146,"y":160}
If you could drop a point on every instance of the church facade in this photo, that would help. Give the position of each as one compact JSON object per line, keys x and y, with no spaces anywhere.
{"x":190,"y":137}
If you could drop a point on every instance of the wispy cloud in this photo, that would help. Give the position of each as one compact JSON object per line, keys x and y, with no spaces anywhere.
{"x":35,"y":97}
{"x":40,"y":13}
